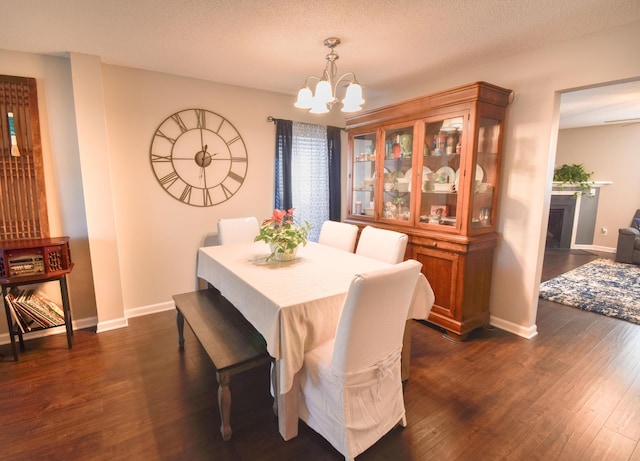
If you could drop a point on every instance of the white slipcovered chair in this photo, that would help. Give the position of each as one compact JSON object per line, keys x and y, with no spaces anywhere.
{"x":237,"y":230}
{"x":384,"y":245}
{"x":350,"y":386}
{"x":339,"y":235}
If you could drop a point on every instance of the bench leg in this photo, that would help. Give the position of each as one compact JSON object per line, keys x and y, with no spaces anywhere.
{"x":224,"y":403}
{"x":180,"y":323}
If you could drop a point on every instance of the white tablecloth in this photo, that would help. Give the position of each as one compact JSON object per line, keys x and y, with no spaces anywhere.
{"x":295,"y":305}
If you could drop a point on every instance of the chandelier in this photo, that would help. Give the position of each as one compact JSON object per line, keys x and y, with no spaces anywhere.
{"x":325,"y":93}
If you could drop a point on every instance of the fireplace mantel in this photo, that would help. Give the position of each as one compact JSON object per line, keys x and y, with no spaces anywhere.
{"x":563,"y":188}
{"x":584,"y":213}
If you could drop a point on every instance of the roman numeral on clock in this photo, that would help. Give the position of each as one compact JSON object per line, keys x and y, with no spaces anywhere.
{"x":201,"y":121}
{"x":168,"y":180}
{"x":186,"y":194}
{"x":168,"y":138}
{"x":206,"y":197}
{"x":176,"y":118}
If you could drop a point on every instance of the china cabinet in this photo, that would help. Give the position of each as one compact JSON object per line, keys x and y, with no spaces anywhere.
{"x":430,"y":167}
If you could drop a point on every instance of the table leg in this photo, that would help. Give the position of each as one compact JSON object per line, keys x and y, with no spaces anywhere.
{"x":406,"y":351}
{"x":12,"y":337}
{"x":67,"y":310}
{"x":180,"y":323}
{"x":21,"y":340}
{"x":288,"y":407}
{"x":274,"y":386}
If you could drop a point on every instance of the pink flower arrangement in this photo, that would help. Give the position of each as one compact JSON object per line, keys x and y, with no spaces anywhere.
{"x":281,"y":233}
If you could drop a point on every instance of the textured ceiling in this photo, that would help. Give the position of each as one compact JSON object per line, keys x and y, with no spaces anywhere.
{"x":603,"y":105}
{"x":389,"y":44}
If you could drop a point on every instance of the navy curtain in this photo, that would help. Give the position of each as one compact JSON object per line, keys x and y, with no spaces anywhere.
{"x":334,"y":146}
{"x":284,"y":149}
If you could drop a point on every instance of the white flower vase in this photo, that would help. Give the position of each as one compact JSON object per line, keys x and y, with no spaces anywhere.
{"x":280,"y":255}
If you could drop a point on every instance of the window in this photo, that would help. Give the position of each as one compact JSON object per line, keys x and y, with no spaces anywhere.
{"x":310,"y":175}
{"x":307,"y":172}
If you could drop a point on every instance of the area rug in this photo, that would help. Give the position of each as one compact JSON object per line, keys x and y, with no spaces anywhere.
{"x":603,"y":286}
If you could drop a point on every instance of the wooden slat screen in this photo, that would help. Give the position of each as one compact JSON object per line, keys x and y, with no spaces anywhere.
{"x":23,"y":203}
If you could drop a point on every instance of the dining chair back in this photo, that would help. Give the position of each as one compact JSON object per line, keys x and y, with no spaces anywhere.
{"x":351,"y":386}
{"x":339,"y":235}
{"x":237,"y":230}
{"x":382,"y":244}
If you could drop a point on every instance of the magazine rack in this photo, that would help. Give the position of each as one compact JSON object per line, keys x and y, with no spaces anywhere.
{"x":52,"y":262}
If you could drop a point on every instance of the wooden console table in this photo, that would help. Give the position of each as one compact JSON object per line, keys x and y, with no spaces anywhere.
{"x":33,"y":261}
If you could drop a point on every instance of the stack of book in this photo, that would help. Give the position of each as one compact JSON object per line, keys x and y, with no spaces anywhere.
{"x":33,"y":310}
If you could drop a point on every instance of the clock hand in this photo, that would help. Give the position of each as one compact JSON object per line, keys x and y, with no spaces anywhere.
{"x":203,"y":175}
{"x":205,"y":160}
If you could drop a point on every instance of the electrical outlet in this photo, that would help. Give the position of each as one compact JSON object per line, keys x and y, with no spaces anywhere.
{"x":603,"y":230}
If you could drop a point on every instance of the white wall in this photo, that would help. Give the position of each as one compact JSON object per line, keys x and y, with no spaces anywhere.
{"x":157,"y":237}
{"x":536,"y":78}
{"x":611,"y":153}
{"x":114,"y":203}
{"x":65,"y":195}
{"x":95,"y":167}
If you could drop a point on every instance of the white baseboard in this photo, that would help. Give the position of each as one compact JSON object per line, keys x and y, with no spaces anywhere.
{"x":85,"y":323}
{"x":135,"y":312}
{"x":511,"y":327}
{"x":112,"y":324}
{"x":101,"y":327}
{"x":594,"y":248}
{"x":5,"y":339}
{"x":77,"y":325}
{"x":146,"y":310}
{"x":130,"y":313}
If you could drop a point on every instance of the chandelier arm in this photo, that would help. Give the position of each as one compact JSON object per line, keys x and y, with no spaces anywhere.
{"x":306,"y":80}
{"x":342,"y":77}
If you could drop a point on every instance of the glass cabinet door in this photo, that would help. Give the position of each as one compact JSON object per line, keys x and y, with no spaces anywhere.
{"x":397,"y":173}
{"x":486,"y":172}
{"x":364,"y":174}
{"x":440,"y":201}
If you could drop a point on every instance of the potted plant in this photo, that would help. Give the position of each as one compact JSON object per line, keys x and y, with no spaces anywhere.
{"x":282,"y":235}
{"x":574,"y":176}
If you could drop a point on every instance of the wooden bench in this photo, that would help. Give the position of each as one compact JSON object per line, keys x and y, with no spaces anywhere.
{"x":232,"y":343}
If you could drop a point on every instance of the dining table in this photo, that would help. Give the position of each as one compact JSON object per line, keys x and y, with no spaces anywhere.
{"x":295,"y":305}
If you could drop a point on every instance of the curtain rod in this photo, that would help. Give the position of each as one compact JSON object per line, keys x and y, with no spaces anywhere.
{"x":273,"y":120}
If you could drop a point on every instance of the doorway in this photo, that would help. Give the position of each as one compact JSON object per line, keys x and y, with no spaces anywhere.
{"x":597,"y":111}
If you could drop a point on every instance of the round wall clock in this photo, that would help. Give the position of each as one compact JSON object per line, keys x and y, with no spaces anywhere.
{"x":198,"y":157}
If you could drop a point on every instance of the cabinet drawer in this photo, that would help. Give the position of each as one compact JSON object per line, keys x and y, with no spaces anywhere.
{"x":433,"y":243}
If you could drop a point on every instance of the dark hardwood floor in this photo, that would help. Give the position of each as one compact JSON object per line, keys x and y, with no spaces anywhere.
{"x":570,"y":393}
